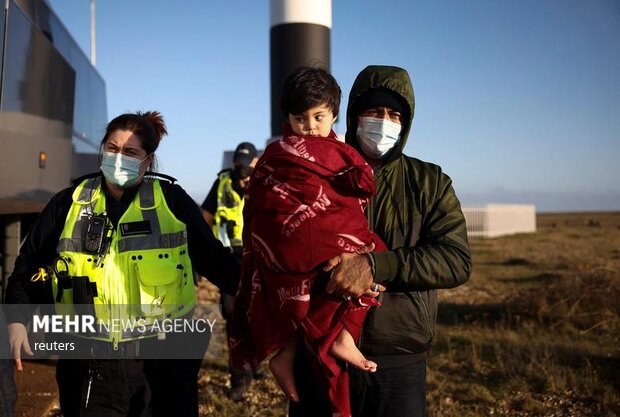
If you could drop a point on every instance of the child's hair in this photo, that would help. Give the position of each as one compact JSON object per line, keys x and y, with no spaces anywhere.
{"x":308,"y":87}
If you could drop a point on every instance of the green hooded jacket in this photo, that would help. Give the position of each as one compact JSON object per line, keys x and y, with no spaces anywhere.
{"x":419,"y":217}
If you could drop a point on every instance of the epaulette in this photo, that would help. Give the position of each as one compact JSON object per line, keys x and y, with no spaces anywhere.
{"x":79,"y":180}
{"x":223,"y":171}
{"x":170,"y":179}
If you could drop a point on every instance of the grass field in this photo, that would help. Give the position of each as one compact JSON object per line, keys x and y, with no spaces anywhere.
{"x":533,"y":333}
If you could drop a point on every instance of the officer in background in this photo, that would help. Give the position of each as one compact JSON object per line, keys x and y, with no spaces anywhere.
{"x":223,"y":210}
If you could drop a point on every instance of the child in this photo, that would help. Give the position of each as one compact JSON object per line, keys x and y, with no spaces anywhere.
{"x":305,"y":204}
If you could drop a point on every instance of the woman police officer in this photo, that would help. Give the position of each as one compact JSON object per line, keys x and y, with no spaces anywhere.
{"x":140,"y":217}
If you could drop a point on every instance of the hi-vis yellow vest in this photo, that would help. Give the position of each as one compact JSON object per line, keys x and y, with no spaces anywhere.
{"x":229,"y":208}
{"x":144,"y":276}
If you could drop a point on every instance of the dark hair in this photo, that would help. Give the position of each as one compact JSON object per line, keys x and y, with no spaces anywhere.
{"x":308,"y":87}
{"x":149,"y":127}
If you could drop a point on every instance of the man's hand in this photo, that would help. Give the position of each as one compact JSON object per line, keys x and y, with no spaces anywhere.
{"x":351,"y":276}
{"x":18,"y":338}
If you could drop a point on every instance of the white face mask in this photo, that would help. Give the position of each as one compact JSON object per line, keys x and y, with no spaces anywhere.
{"x":120,"y":170}
{"x":377,"y":136}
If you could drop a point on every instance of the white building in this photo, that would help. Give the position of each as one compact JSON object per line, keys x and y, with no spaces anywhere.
{"x":492,"y":220}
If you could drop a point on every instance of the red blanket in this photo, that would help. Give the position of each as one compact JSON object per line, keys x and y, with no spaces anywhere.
{"x":304,"y":204}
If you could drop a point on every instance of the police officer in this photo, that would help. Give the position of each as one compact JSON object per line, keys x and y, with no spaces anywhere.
{"x":223,"y":210}
{"x":223,"y":206}
{"x":131,"y":243}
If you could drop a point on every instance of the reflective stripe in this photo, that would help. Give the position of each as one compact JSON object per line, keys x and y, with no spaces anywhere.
{"x":151,"y":216}
{"x":127,"y":334}
{"x":70,"y":245}
{"x":76,"y":242}
{"x":87,"y":191}
{"x":80,"y":227}
{"x":134,"y":329}
{"x":148,"y":208}
{"x":154,"y":240}
{"x":146,"y":203}
{"x":147,"y":196}
{"x":142,"y":242}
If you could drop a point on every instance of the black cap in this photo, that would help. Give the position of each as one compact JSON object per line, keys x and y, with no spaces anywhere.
{"x":381,"y":97}
{"x":244,"y":154}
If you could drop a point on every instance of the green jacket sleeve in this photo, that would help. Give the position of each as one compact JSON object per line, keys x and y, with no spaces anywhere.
{"x":441,"y":257}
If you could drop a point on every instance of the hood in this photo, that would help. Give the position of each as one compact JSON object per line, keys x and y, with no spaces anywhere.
{"x":386,"y":77}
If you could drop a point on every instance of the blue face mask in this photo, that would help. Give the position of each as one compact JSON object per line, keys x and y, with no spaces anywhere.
{"x":120,"y":170}
{"x":377,"y":136}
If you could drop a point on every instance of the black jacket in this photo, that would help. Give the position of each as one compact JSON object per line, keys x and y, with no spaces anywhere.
{"x":417,"y":214}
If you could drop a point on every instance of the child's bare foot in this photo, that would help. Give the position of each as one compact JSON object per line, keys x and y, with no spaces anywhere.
{"x":344,"y":348}
{"x":281,"y":366}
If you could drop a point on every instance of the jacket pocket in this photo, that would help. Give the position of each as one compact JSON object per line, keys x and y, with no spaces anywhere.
{"x":159,"y":282}
{"x":428,"y":305}
{"x":403,"y":324}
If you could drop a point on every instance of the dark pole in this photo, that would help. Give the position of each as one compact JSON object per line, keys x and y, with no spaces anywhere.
{"x":300,"y":35}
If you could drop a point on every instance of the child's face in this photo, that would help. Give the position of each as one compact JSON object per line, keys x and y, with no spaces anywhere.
{"x":316,"y":121}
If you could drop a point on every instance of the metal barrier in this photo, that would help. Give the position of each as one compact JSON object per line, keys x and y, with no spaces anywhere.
{"x":494,"y":220}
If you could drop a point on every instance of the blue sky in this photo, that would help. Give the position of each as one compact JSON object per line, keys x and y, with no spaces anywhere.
{"x":519,"y":102}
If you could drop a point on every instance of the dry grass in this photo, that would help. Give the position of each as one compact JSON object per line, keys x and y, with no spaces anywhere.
{"x":534,"y":332}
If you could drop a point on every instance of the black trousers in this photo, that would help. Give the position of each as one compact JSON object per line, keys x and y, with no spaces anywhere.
{"x":128,"y":387}
{"x":389,"y":392}
{"x":118,"y":388}
{"x":174,"y":386}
